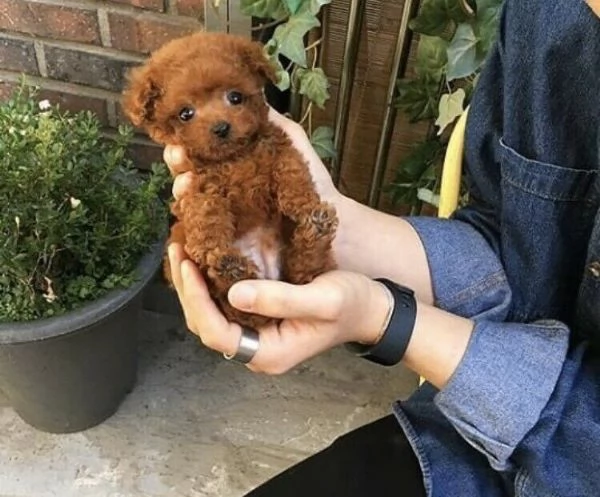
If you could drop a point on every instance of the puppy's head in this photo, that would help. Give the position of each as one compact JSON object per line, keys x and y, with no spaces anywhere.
{"x":204,"y":92}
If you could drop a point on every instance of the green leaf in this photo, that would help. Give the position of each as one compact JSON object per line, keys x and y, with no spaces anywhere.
{"x":450,"y":108}
{"x":418,"y":162}
{"x":426,"y":195}
{"x":432,"y":56}
{"x":436,"y":17}
{"x":486,"y":24}
{"x":293,"y":5}
{"x":313,"y":84}
{"x":290,"y":36}
{"x":322,"y":142}
{"x":270,"y":9}
{"x":418,"y":98}
{"x":272,"y":53}
{"x":463,"y":57}
{"x":313,"y":6}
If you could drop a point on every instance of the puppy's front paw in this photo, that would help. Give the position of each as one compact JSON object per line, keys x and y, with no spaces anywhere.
{"x":323,"y":220}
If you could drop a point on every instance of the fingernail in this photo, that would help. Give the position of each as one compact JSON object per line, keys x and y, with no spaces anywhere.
{"x":242,"y":296}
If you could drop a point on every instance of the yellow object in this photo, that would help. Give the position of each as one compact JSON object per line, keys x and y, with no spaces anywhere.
{"x":452,"y":168}
{"x":452,"y":172}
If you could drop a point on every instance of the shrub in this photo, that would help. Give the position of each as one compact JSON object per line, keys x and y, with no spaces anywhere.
{"x":75,"y":216}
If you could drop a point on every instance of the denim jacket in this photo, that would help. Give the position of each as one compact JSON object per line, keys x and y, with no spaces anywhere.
{"x":521,"y":414}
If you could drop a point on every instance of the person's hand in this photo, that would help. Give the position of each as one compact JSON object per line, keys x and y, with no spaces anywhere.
{"x":337,"y":307}
{"x":174,"y":157}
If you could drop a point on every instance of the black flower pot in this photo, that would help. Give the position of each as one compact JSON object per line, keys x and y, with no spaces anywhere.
{"x":71,"y":372}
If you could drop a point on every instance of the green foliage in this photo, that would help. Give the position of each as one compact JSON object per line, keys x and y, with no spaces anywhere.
{"x":297,"y":18}
{"x":455,"y":37}
{"x":76,"y":216}
{"x":419,"y":174}
{"x":322,"y":141}
{"x":313,"y":84}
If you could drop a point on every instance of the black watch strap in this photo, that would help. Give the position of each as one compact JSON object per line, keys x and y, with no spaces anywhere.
{"x":391,"y":347}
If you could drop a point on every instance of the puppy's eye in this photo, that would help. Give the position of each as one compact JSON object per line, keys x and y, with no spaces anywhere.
{"x":235,"y":97}
{"x":186,"y":113}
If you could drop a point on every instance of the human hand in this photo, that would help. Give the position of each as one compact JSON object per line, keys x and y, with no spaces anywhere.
{"x":174,"y":157}
{"x":337,"y":307}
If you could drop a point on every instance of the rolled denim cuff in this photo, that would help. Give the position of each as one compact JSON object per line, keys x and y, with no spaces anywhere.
{"x":467,"y":276}
{"x":496,"y":394}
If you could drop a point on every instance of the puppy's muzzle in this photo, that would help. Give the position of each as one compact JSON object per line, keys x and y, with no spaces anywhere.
{"x":221,"y":129}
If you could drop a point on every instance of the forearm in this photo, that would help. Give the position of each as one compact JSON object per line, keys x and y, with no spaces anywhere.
{"x":438,"y":344}
{"x":381,"y":245}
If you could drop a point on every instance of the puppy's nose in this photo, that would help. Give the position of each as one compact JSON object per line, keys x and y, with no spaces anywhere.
{"x":221,"y":129}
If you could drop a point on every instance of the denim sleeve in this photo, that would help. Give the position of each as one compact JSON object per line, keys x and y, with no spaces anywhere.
{"x":467,"y":276}
{"x":509,"y":371}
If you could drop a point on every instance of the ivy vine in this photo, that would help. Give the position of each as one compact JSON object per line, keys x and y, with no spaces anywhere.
{"x":455,"y":37}
{"x":294,"y":20}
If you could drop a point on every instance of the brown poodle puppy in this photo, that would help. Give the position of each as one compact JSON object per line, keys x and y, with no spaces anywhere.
{"x":253,"y":211}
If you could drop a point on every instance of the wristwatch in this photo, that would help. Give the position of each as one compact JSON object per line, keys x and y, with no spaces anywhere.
{"x":390,"y":349}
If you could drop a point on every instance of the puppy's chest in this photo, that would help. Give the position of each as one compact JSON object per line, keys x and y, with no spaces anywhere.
{"x":249,"y":191}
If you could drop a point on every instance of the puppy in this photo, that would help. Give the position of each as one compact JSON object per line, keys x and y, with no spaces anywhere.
{"x":253,"y":211}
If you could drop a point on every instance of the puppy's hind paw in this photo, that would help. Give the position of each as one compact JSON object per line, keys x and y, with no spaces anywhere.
{"x":228,"y":268}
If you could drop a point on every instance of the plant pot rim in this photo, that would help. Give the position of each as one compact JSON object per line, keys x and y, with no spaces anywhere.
{"x":41,"y":329}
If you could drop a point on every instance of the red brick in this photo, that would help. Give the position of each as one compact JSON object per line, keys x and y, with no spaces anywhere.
{"x":123,"y":119}
{"x":66,"y":101}
{"x":138,"y":33}
{"x":51,"y":21}
{"x":143,"y":156}
{"x":6,"y":90}
{"x":192,"y":8}
{"x":76,"y":103}
{"x":90,"y":69}
{"x":158,"y":5}
{"x":18,"y":56}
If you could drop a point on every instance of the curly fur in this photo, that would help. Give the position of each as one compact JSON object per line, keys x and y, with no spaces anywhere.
{"x":253,"y":211}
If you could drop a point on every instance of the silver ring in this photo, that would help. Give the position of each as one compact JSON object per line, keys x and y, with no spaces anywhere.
{"x":247,"y":347}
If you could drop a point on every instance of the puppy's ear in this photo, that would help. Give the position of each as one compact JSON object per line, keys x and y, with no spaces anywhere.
{"x":140,"y":97}
{"x":257,"y":61}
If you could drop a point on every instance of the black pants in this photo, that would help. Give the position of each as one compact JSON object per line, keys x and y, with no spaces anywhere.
{"x":375,"y":460}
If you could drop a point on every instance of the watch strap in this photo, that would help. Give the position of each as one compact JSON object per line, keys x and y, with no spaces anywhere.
{"x":391,"y":347}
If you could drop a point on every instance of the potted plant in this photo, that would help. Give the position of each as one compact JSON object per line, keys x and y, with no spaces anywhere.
{"x":81,"y":235}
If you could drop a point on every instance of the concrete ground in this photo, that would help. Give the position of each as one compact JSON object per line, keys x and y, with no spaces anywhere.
{"x":197,"y":425}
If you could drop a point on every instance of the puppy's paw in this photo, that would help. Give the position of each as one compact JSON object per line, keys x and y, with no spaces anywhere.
{"x":323,"y":220}
{"x":227,"y":268}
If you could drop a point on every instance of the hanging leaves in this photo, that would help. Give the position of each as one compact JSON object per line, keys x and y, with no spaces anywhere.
{"x":432,"y":57}
{"x":283,"y":76}
{"x":313,"y":83}
{"x":418,"y":170}
{"x":322,"y":141}
{"x":418,"y":98}
{"x":450,"y":108}
{"x":290,"y":36}
{"x":293,"y":5}
{"x":463,"y":56}
{"x":270,"y":9}
{"x":486,"y":27}
{"x":313,"y":6}
{"x":436,"y":17}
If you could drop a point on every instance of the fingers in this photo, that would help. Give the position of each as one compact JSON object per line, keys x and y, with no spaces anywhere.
{"x":282,"y":349}
{"x":182,"y":184}
{"x":202,"y":316}
{"x":285,"y":301}
{"x":175,"y":158}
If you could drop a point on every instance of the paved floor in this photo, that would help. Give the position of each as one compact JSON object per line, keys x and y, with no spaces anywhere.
{"x":197,"y":426}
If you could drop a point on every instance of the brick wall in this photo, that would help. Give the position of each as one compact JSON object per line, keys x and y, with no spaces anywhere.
{"x":78,"y":51}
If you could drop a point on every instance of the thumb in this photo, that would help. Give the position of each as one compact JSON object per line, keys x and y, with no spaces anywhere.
{"x":286,"y":301}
